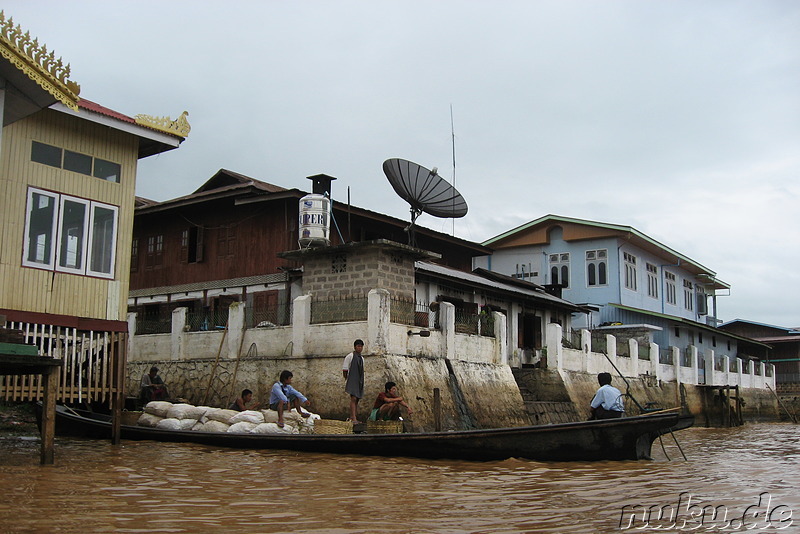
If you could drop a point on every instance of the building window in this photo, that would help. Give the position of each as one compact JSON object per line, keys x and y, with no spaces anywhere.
{"x":62,"y":232}
{"x":713,"y":341}
{"x":677,"y":332}
{"x":688,"y":295}
{"x":226,"y":242}
{"x":630,"y":271}
{"x":672,"y":292}
{"x":155,"y":251}
{"x":597,"y":267}
{"x":339,"y":263}
{"x":75,"y":162}
{"x":135,"y":254}
{"x":46,"y":154}
{"x":700,"y":337}
{"x":652,"y":280}
{"x":559,"y":269}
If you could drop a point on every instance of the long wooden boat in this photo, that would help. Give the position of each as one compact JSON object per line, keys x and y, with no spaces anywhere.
{"x":627,"y":438}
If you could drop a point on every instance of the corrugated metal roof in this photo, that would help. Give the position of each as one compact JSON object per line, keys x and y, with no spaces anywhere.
{"x":212,"y":284}
{"x":472,"y":278}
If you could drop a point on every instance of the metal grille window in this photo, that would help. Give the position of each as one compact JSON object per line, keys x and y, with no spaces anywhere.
{"x":339,"y":263}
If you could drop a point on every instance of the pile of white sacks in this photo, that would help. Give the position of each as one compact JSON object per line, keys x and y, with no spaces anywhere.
{"x":169,"y":416}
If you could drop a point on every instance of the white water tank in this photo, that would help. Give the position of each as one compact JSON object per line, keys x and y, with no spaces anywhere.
{"x":314,"y":224}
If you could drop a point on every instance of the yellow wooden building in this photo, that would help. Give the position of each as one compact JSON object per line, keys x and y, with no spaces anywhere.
{"x":67,"y":190}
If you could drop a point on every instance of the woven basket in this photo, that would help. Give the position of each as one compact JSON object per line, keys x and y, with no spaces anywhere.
{"x":384,"y":427}
{"x":130,"y":417}
{"x":332,"y":426}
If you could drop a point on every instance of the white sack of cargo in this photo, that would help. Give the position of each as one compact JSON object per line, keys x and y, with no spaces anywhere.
{"x":158,"y":408}
{"x":242,"y":427}
{"x":307,"y":424}
{"x":249,"y":416}
{"x":148,"y":419}
{"x":176,"y":424}
{"x":211,"y":426}
{"x":185,"y":411}
{"x":273,"y":428}
{"x":222,"y":415}
{"x":271,"y":416}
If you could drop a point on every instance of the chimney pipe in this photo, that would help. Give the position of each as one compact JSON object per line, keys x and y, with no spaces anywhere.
{"x":321,"y":184}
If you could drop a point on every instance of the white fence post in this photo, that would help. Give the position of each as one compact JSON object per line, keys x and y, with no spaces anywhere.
{"x":555,"y":351}
{"x":633,"y":351}
{"x":378,"y":314}
{"x":500,"y":338}
{"x":447,"y":320}
{"x":301,"y":318}
{"x":178,"y":333}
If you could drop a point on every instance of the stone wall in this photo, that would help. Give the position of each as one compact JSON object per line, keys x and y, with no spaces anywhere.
{"x":464,"y":386}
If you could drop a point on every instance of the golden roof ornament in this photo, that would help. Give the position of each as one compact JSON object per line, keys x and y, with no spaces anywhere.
{"x":34,"y":60}
{"x":179,"y":126}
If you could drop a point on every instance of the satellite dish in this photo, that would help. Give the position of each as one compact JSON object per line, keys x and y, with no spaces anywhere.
{"x":424,"y":190}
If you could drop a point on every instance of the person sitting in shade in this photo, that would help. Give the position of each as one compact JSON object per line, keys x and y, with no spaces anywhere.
{"x":284,"y":397}
{"x":241,"y":403}
{"x":387,"y":404}
{"x":607,"y":402}
{"x":153,"y":388}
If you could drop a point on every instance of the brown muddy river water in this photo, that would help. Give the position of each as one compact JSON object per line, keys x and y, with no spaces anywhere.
{"x":749,"y":474}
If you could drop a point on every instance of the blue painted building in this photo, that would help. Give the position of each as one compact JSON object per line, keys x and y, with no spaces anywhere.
{"x":624,"y":275}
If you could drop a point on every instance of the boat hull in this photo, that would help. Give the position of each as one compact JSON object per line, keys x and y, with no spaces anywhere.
{"x":628,"y":438}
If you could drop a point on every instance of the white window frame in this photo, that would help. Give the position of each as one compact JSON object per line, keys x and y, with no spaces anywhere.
{"x":87,"y":235}
{"x":652,"y":280}
{"x":53,"y":230}
{"x":560,"y":261}
{"x":60,"y":252}
{"x":688,"y":295}
{"x":630,"y":271}
{"x":670,"y":281}
{"x":597,"y":258}
{"x":91,"y":240}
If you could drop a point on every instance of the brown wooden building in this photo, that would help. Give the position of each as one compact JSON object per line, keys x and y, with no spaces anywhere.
{"x":221,"y":243}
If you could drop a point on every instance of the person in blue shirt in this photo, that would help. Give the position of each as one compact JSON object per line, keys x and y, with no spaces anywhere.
{"x":284,"y":397}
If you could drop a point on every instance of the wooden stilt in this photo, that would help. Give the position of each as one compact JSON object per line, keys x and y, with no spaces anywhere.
{"x":49,"y":416}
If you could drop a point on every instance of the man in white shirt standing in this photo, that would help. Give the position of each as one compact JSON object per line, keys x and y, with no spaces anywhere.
{"x":607,"y":402}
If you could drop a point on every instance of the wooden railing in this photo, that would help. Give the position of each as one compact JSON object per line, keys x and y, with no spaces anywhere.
{"x":93,"y":362}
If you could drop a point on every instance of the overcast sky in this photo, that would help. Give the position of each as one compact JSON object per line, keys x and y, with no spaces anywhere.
{"x":679,"y":118}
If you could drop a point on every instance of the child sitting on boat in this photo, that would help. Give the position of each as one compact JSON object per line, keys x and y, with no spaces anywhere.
{"x":285,"y":397}
{"x":387,"y":404}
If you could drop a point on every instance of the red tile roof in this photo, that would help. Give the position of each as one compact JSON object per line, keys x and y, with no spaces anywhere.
{"x":97,"y":108}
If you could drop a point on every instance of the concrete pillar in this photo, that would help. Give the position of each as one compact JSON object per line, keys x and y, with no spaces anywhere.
{"x":131,"y":332}
{"x":555,"y":351}
{"x":378,"y":310}
{"x":726,"y":367}
{"x":712,"y":376}
{"x":500,"y":338}
{"x":586,"y":348}
{"x":760,"y":383}
{"x":695,"y":376}
{"x":611,"y":350}
{"x":633,"y":350}
{"x":301,"y":318}
{"x":447,"y":319}
{"x":676,"y":362}
{"x":236,"y":324}
{"x":178,"y":334}
{"x":655,"y":356}
{"x":740,"y":371}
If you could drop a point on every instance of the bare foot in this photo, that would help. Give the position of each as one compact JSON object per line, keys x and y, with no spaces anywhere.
{"x":280,"y":424}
